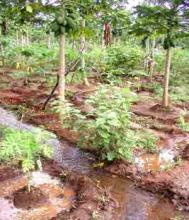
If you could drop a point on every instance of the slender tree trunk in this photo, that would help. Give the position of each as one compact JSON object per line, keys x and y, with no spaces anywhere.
{"x":22,"y":40}
{"x":27,"y":38}
{"x":49,"y":40}
{"x":165,"y":102}
{"x":62,"y":68}
{"x":4,"y":26}
{"x":146,"y":66}
{"x":107,"y":34}
{"x":152,"y":63}
{"x":2,"y":51}
{"x":17,"y":38}
{"x":73,"y":44}
{"x":83,"y":48}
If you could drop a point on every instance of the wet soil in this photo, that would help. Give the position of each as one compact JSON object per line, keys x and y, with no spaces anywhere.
{"x":129,"y":202}
{"x":152,"y":109}
{"x":25,"y":199}
{"x":7,"y":173}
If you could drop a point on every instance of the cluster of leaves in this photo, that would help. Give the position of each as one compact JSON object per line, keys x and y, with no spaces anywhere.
{"x":117,"y":60}
{"x":23,"y":147}
{"x":183,"y":124}
{"x":106,"y":128}
{"x":123,"y":59}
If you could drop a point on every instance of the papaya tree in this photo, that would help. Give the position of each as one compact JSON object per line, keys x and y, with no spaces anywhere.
{"x":64,"y":23}
{"x":85,"y":8}
{"x":165,"y":18}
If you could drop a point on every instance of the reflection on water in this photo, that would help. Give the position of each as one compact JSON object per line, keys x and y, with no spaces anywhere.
{"x":133,"y":203}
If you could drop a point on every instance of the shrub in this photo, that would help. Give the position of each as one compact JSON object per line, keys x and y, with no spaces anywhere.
{"x":107,"y":127}
{"x":23,"y":146}
{"x":183,"y":124}
{"x":123,"y":58}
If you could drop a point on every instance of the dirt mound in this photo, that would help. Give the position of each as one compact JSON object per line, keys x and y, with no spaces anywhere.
{"x":155,"y":111}
{"x":25,"y":199}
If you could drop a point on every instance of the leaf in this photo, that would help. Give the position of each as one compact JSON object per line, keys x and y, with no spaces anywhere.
{"x":29,"y":8}
{"x":111,"y":156}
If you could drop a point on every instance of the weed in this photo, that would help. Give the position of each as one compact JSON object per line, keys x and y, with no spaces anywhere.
{"x":183,"y":124}
{"x":23,"y":146}
{"x":146,"y":140}
{"x":106,"y":128}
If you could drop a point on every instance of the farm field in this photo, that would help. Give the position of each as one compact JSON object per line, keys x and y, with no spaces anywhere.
{"x":94,"y":110}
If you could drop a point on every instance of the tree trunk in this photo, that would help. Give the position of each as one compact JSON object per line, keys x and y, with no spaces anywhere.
{"x":165,"y":102}
{"x":82,"y":46}
{"x":82,"y":49}
{"x":27,"y":38}
{"x":49,"y":40}
{"x":4,"y":26}
{"x":152,"y":63}
{"x":146,"y":66}
{"x":107,"y":34}
{"x":73,"y":44}
{"x":17,"y":38}
{"x":62,"y":68}
{"x":22,"y":40}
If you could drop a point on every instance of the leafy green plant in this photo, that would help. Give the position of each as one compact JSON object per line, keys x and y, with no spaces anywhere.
{"x":147,"y":141}
{"x":106,"y":128}
{"x":23,"y":146}
{"x":124,"y":56}
{"x":183,"y":124}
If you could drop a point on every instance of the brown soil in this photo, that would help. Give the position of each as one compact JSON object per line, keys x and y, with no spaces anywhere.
{"x":88,"y":195}
{"x":24,"y":199}
{"x":172,"y":183}
{"x":185,"y":153}
{"x":7,"y":173}
{"x":155,"y":111}
{"x":88,"y":200}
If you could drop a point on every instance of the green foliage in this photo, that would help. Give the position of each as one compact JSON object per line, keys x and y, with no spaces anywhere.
{"x":66,"y":20}
{"x":116,"y":61}
{"x":183,"y":124}
{"x":23,"y":146}
{"x":123,"y":58}
{"x":179,"y":81}
{"x":147,"y":140}
{"x":106,"y":128}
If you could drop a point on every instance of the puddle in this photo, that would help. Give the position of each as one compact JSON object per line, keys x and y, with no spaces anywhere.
{"x":71,"y":157}
{"x":7,"y":210}
{"x":155,"y":162}
{"x":165,"y":158}
{"x":134,"y":204}
{"x":39,"y":178}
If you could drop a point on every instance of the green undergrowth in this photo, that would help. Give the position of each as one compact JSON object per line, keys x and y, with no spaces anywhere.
{"x":183,"y":124}
{"x":106,"y":128}
{"x":23,"y":147}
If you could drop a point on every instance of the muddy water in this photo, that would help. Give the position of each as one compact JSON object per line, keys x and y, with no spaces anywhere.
{"x":133,"y":204}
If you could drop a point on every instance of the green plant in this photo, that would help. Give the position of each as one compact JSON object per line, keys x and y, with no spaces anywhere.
{"x":146,"y":140}
{"x":183,"y":124}
{"x":125,"y":57}
{"x":23,"y":146}
{"x":106,"y":128}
